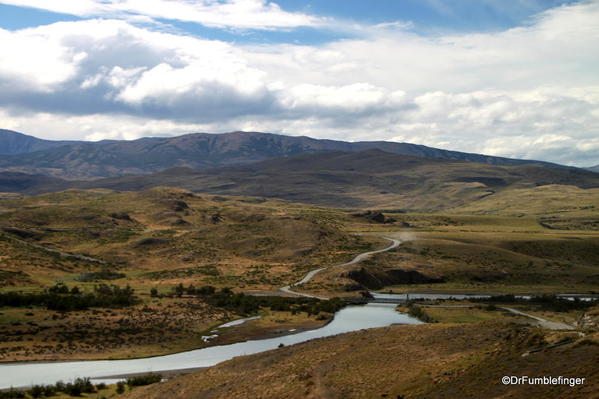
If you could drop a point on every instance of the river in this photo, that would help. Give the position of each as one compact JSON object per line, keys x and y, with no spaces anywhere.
{"x":351,"y":318}
{"x":416,"y":296}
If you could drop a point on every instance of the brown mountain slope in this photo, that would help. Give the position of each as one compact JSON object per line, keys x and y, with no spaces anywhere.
{"x":12,"y":143}
{"x":356,"y":180}
{"x":78,"y":160}
{"x":408,"y":362}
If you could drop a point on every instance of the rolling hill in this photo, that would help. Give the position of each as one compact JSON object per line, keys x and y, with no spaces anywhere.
{"x":416,"y":362}
{"x":173,"y":233}
{"x":366,"y":179}
{"x":86,"y":160}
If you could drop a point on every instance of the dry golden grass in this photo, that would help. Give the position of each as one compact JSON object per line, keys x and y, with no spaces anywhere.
{"x":243,"y":242}
{"x":428,"y":361}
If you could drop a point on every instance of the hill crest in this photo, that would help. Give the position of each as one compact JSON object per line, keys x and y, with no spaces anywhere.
{"x":89,"y":160}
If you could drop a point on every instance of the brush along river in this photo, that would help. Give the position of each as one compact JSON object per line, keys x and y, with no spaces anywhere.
{"x":351,"y":318}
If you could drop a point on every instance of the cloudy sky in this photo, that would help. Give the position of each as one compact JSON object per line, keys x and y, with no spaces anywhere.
{"x":516,"y":78}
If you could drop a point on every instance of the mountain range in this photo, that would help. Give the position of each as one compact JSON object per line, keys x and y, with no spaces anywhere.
{"x":382,"y":175}
{"x":14,"y":143}
{"x":112,"y":158}
{"x":371,"y":178}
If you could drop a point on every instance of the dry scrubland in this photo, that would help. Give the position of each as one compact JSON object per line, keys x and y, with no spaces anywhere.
{"x":158,"y":238}
{"x":415,"y":362}
{"x":166,"y":236}
{"x":555,"y":252}
{"x":537,"y":240}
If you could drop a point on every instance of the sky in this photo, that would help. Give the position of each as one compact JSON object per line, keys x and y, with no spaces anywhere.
{"x":516,"y":78}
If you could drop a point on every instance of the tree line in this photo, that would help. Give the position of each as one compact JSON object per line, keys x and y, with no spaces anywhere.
{"x":546,"y":302}
{"x":250,"y":304}
{"x":62,"y":298}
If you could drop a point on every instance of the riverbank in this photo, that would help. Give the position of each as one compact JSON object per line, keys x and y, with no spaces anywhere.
{"x":348,"y":319}
{"x":182,"y":332}
{"x":426,"y":361}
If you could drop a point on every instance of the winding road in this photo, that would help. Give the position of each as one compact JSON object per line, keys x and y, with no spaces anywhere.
{"x":359,"y":258}
{"x":551,"y":325}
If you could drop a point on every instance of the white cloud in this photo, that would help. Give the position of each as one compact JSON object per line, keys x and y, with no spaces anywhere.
{"x":527,"y":92}
{"x":243,"y":14}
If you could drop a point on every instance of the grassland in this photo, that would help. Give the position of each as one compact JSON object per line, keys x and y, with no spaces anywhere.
{"x":475,"y":253}
{"x":160,"y":238}
{"x":427,"y":361}
{"x":154,"y":240}
{"x":157,"y":326}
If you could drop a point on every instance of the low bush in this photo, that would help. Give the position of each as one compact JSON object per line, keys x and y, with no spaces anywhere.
{"x":545,"y":302}
{"x":61,"y":298}
{"x":145,"y":379}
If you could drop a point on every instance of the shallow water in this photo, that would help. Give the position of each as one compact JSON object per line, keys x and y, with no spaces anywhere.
{"x":351,"y":318}
{"x":377,"y":295}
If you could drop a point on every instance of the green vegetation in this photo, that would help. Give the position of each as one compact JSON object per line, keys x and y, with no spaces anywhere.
{"x":145,"y":379}
{"x":543,"y":302}
{"x":12,"y":394}
{"x":61,"y":298}
{"x":206,"y":270}
{"x":78,"y":387}
{"x":101,"y":275}
{"x":250,"y":304}
{"x":420,"y":314}
{"x":75,"y":389}
{"x":120,"y":387}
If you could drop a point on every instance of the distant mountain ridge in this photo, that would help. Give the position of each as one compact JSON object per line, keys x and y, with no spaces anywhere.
{"x":15,"y":143}
{"x":371,"y":178}
{"x":85,"y":160}
{"x":593,"y":168}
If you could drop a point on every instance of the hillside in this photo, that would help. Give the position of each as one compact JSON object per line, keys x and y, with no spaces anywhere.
{"x":84,"y":160}
{"x":15,"y":143}
{"x":594,"y":168}
{"x":166,"y":236}
{"x":415,"y":362}
{"x":370,"y":178}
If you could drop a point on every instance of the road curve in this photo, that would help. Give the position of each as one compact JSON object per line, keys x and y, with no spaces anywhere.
{"x":359,"y":258}
{"x":551,"y":325}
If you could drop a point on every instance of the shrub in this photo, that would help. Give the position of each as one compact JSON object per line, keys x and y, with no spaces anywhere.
{"x":145,"y":379}
{"x":61,"y":298}
{"x":12,"y":394}
{"x":417,"y":312}
{"x":79,"y":386}
{"x":36,"y":391}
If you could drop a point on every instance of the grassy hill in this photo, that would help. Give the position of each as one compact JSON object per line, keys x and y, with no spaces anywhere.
{"x":474,"y":253}
{"x":154,"y":241}
{"x":165,"y":236}
{"x":411,"y":362}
